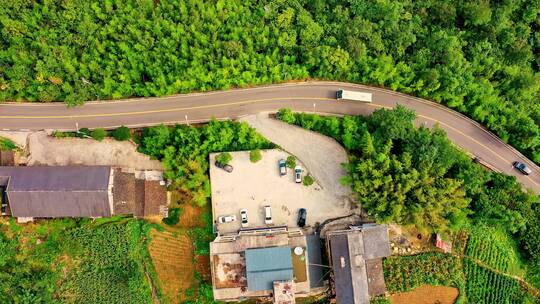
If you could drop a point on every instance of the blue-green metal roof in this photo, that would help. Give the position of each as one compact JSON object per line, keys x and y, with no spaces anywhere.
{"x":266,"y":265}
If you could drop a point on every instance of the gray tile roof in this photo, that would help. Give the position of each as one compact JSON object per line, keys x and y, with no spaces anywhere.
{"x":72,"y":191}
{"x":353,"y":255}
{"x":266,"y":265}
{"x":342,"y":275}
{"x":316,"y":274}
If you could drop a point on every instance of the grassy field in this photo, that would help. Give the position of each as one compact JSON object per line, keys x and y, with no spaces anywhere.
{"x":67,"y":261}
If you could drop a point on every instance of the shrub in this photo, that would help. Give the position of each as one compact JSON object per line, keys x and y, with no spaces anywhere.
{"x":60,"y":134}
{"x":255,"y":155}
{"x":286,"y":115}
{"x":122,"y":133}
{"x":6,"y":144}
{"x":291,"y":161}
{"x":308,"y":180}
{"x":99,"y":134}
{"x":174,"y":217}
{"x":83,"y":132}
{"x":224,"y":158}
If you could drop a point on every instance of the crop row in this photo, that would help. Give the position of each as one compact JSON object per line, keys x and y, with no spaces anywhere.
{"x":485,"y":286}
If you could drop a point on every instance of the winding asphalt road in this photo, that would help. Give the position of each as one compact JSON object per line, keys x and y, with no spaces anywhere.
{"x":304,"y":96}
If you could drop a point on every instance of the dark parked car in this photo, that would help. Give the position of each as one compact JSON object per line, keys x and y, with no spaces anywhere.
{"x":227,"y":168}
{"x":522,"y":167}
{"x":302,"y":215}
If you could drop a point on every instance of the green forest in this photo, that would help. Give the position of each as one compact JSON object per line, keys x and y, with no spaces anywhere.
{"x":416,"y":176}
{"x":479,"y":57}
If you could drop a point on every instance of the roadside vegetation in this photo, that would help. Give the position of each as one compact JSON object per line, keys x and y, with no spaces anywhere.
{"x":480,"y":57}
{"x":7,"y":144}
{"x":121,"y":133}
{"x":417,"y":177}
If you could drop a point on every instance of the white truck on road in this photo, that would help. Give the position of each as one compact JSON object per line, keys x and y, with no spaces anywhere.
{"x":352,"y":95}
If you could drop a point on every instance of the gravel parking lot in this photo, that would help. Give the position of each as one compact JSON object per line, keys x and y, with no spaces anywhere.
{"x":255,"y":185}
{"x":321,"y":154}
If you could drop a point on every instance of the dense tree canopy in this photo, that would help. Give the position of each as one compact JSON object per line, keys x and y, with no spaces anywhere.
{"x":416,"y":176}
{"x":480,"y":57}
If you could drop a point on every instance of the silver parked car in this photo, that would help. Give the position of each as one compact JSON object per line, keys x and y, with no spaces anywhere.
{"x":282,"y":167}
{"x":244,"y":218}
{"x":298,"y":174}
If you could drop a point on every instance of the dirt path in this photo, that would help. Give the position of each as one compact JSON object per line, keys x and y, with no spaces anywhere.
{"x":321,"y":155}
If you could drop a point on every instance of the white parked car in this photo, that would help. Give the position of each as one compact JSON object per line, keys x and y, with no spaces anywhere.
{"x":268,"y":215}
{"x":227,"y":218}
{"x":298,"y":174}
{"x":244,"y":218}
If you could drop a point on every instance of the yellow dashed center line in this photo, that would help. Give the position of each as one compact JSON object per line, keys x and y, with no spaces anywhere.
{"x":241,"y":103}
{"x":164,"y":110}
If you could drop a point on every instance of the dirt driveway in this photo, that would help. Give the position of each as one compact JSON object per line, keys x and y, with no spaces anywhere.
{"x":321,"y":155}
{"x":252,"y":186}
{"x":50,"y":151}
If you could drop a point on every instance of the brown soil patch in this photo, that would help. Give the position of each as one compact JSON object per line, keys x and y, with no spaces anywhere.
{"x":427,"y":294}
{"x":191,"y":216}
{"x":172,"y":255}
{"x":202,"y":264}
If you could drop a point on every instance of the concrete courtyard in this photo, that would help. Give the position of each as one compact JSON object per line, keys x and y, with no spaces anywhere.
{"x":255,"y":185}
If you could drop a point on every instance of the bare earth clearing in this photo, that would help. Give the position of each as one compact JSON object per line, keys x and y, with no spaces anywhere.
{"x":50,"y":151}
{"x":427,"y":294}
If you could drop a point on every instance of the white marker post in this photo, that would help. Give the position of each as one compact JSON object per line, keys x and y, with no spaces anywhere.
{"x":187,"y":122}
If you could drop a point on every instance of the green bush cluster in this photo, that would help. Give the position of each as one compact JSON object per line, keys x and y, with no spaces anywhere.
{"x":98,"y":134}
{"x":122,"y":133}
{"x":308,"y":180}
{"x":7,"y":144}
{"x":224,"y":158}
{"x":480,"y":58}
{"x":174,"y":216}
{"x":291,"y":161}
{"x":255,"y":155}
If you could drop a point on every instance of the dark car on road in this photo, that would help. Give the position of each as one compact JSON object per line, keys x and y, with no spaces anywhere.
{"x":225,"y":167}
{"x":302,"y":215}
{"x":522,"y":167}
